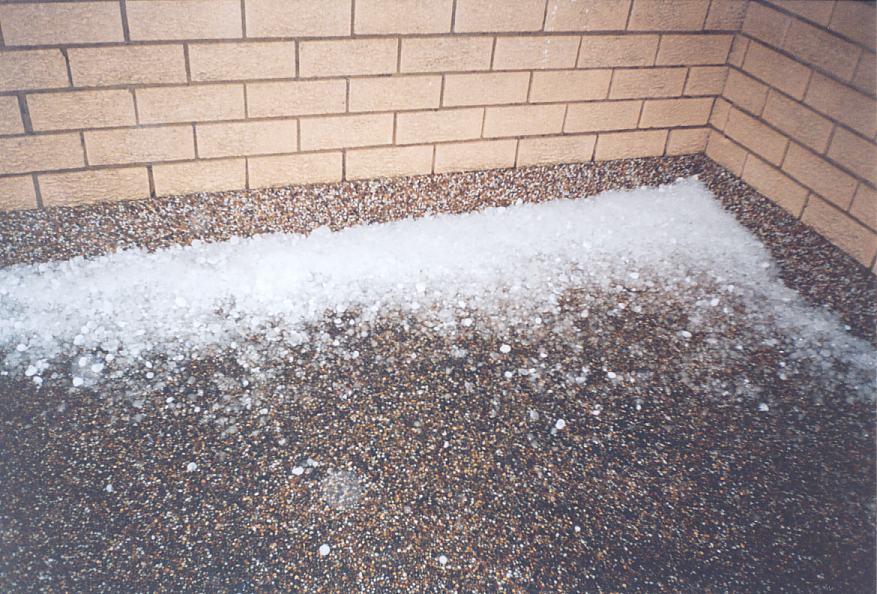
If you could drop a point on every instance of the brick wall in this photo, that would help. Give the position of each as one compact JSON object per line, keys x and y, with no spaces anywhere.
{"x":797,"y":118}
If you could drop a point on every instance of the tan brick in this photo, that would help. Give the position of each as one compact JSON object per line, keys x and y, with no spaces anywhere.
{"x":822,"y":49}
{"x":595,"y":117}
{"x":738,"y":51}
{"x":99,"y":185}
{"x":525,"y":53}
{"x":766,"y":24}
{"x":396,"y":92}
{"x":627,"y":145}
{"x":242,"y":60}
{"x":556,"y":149}
{"x":484,"y":154}
{"x":523,"y":120}
{"x":130,"y":64}
{"x":670,"y":113}
{"x":706,"y":80}
{"x":81,"y":109}
{"x":820,"y":176}
{"x":305,"y":168}
{"x":403,"y":16}
{"x":565,"y":85}
{"x":198,"y":103}
{"x":687,"y":142}
{"x":719,"y":117}
{"x":744,"y":91}
{"x":486,"y":88}
{"x":843,"y":104}
{"x":446,"y":54}
{"x":864,"y":205}
{"x":803,"y":124}
{"x":865,"y":77}
{"x":17,"y":193}
{"x":33,"y":69}
{"x":200,"y":176}
{"x":854,"y":153}
{"x":439,"y":126}
{"x":667,"y":15}
{"x":499,"y":15}
{"x":586,"y":15}
{"x":725,"y":152}
{"x":347,"y":57}
{"x":648,"y":82}
{"x":777,"y":70}
{"x":855,"y":20}
{"x":691,"y":50}
{"x":598,"y":51}
{"x":139,"y":145}
{"x":184,"y":19}
{"x":10,"y":116}
{"x":726,"y":15}
{"x":757,"y":137}
{"x":389,"y":162}
{"x":45,"y":152}
{"x":841,"y":230}
{"x":298,"y":18}
{"x":288,"y":98}
{"x":59,"y":23}
{"x":814,"y":10}
{"x":346,"y":131}
{"x":780,"y":188}
{"x":234,"y":139}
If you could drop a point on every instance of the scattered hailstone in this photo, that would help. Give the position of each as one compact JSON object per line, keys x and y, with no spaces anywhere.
{"x":78,"y":381}
{"x":30,"y":371}
{"x":298,"y":471}
{"x":324,"y":550}
{"x":763,"y":407}
{"x":109,"y":488}
{"x":560,"y":424}
{"x":505,"y":349}
{"x":466,"y":322}
{"x":191,"y":467}
{"x":611,"y":374}
{"x":685,"y":334}
{"x":442,"y":560}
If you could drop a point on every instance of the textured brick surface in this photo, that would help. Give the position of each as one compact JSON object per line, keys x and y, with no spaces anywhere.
{"x":686,"y":142}
{"x":586,"y":15}
{"x":200,"y":176}
{"x":725,"y":152}
{"x":289,"y":98}
{"x":395,"y":93}
{"x":775,"y":185}
{"x":766,"y":24}
{"x":10,"y":116}
{"x":820,"y":176}
{"x":563,"y":85}
{"x":668,"y":15}
{"x":197,"y":103}
{"x":439,"y":126}
{"x":99,"y":185}
{"x":484,"y":154}
{"x":485,"y":88}
{"x":864,"y":205}
{"x":756,"y":136}
{"x":81,"y":109}
{"x":598,"y":51}
{"x":34,"y":69}
{"x":184,"y":19}
{"x":726,"y":15}
{"x":234,"y":139}
{"x":797,"y":121}
{"x":17,"y":193}
{"x":403,"y":16}
{"x":822,"y":49}
{"x":305,"y":168}
{"x":777,"y":70}
{"x":346,"y":131}
{"x":693,"y":49}
{"x":124,"y":65}
{"x":706,"y":80}
{"x":556,"y":149}
{"x":593,"y":117}
{"x":842,"y":103}
{"x":523,"y":120}
{"x":46,"y":152}
{"x":298,"y":18}
{"x":347,"y":57}
{"x":865,"y":76}
{"x":60,"y":23}
{"x":139,"y":145}
{"x":745,"y":92}
{"x":625,"y":145}
{"x":855,"y":20}
{"x":814,"y":10}
{"x":435,"y":54}
{"x":719,"y":117}
{"x":841,"y":230}
{"x":855,"y":154}
{"x":519,"y":53}
{"x":389,"y":162}
{"x":647,"y":82}
{"x":499,"y":15}
{"x":243,"y":60}
{"x":670,"y":113}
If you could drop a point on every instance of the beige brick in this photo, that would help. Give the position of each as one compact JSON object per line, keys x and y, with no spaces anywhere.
{"x":745,"y":92}
{"x":757,"y":137}
{"x":242,"y":60}
{"x":305,"y":168}
{"x":865,"y":77}
{"x":738,"y":51}
{"x":766,"y":24}
{"x":59,"y":23}
{"x":725,"y":152}
{"x":719,"y":117}
{"x":843,"y":104}
{"x":565,"y":85}
{"x":524,"y":53}
{"x":346,"y":131}
{"x":855,"y":20}
{"x":667,"y":15}
{"x":556,"y":149}
{"x":841,"y":230}
{"x":687,"y":142}
{"x":598,"y":51}
{"x":81,"y":109}
{"x":802,"y":124}
{"x":446,"y":54}
{"x":523,"y":120}
{"x":34,"y":69}
{"x":99,"y":185}
{"x":691,"y":50}
{"x":17,"y":193}
{"x":854,"y":153}
{"x":586,"y":15}
{"x":864,"y":206}
{"x":200,"y":176}
{"x":184,"y":19}
{"x":234,"y":139}
{"x":820,"y":176}
{"x":45,"y":152}
{"x":403,"y":16}
{"x":772,"y":183}
{"x":822,"y":49}
{"x":814,"y":10}
{"x":298,"y":18}
{"x":595,"y":117}
{"x":439,"y":126}
{"x":124,"y":65}
{"x":486,"y":88}
{"x":499,"y":15}
{"x":139,"y":145}
{"x":670,"y":113}
{"x":10,"y":116}
{"x":389,"y":162}
{"x":777,"y":70}
{"x":198,"y":103}
{"x":726,"y":15}
{"x":397,"y":92}
{"x":627,"y":145}
{"x":347,"y":57}
{"x":706,"y":80}
{"x":308,"y":97}
{"x":648,"y":82}
{"x":484,"y":154}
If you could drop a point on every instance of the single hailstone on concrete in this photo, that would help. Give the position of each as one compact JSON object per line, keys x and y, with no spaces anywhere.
{"x":560,"y":424}
{"x":324,"y":550}
{"x":191,"y":467}
{"x":341,"y":489}
{"x":505,"y":349}
{"x":78,"y":381}
{"x":763,"y":407}
{"x":298,"y":470}
{"x":611,"y":374}
{"x":442,"y":560}
{"x":109,"y":488}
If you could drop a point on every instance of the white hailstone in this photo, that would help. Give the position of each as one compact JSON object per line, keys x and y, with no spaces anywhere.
{"x":578,"y":528}
{"x":30,"y":371}
{"x":585,"y":313}
{"x":21,"y":348}
{"x":763,"y":407}
{"x":78,"y":381}
{"x":442,"y":560}
{"x":466,"y":322}
{"x":324,"y":550}
{"x":191,"y":467}
{"x":505,"y":349}
{"x":263,"y":411}
{"x":560,"y":424}
{"x":714,"y":301}
{"x":37,"y":380}
{"x":534,"y":415}
{"x":298,"y":471}
{"x":685,"y":334}
{"x":109,"y":488}
{"x":508,"y":375}
{"x":611,"y":374}
{"x":97,"y":367}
